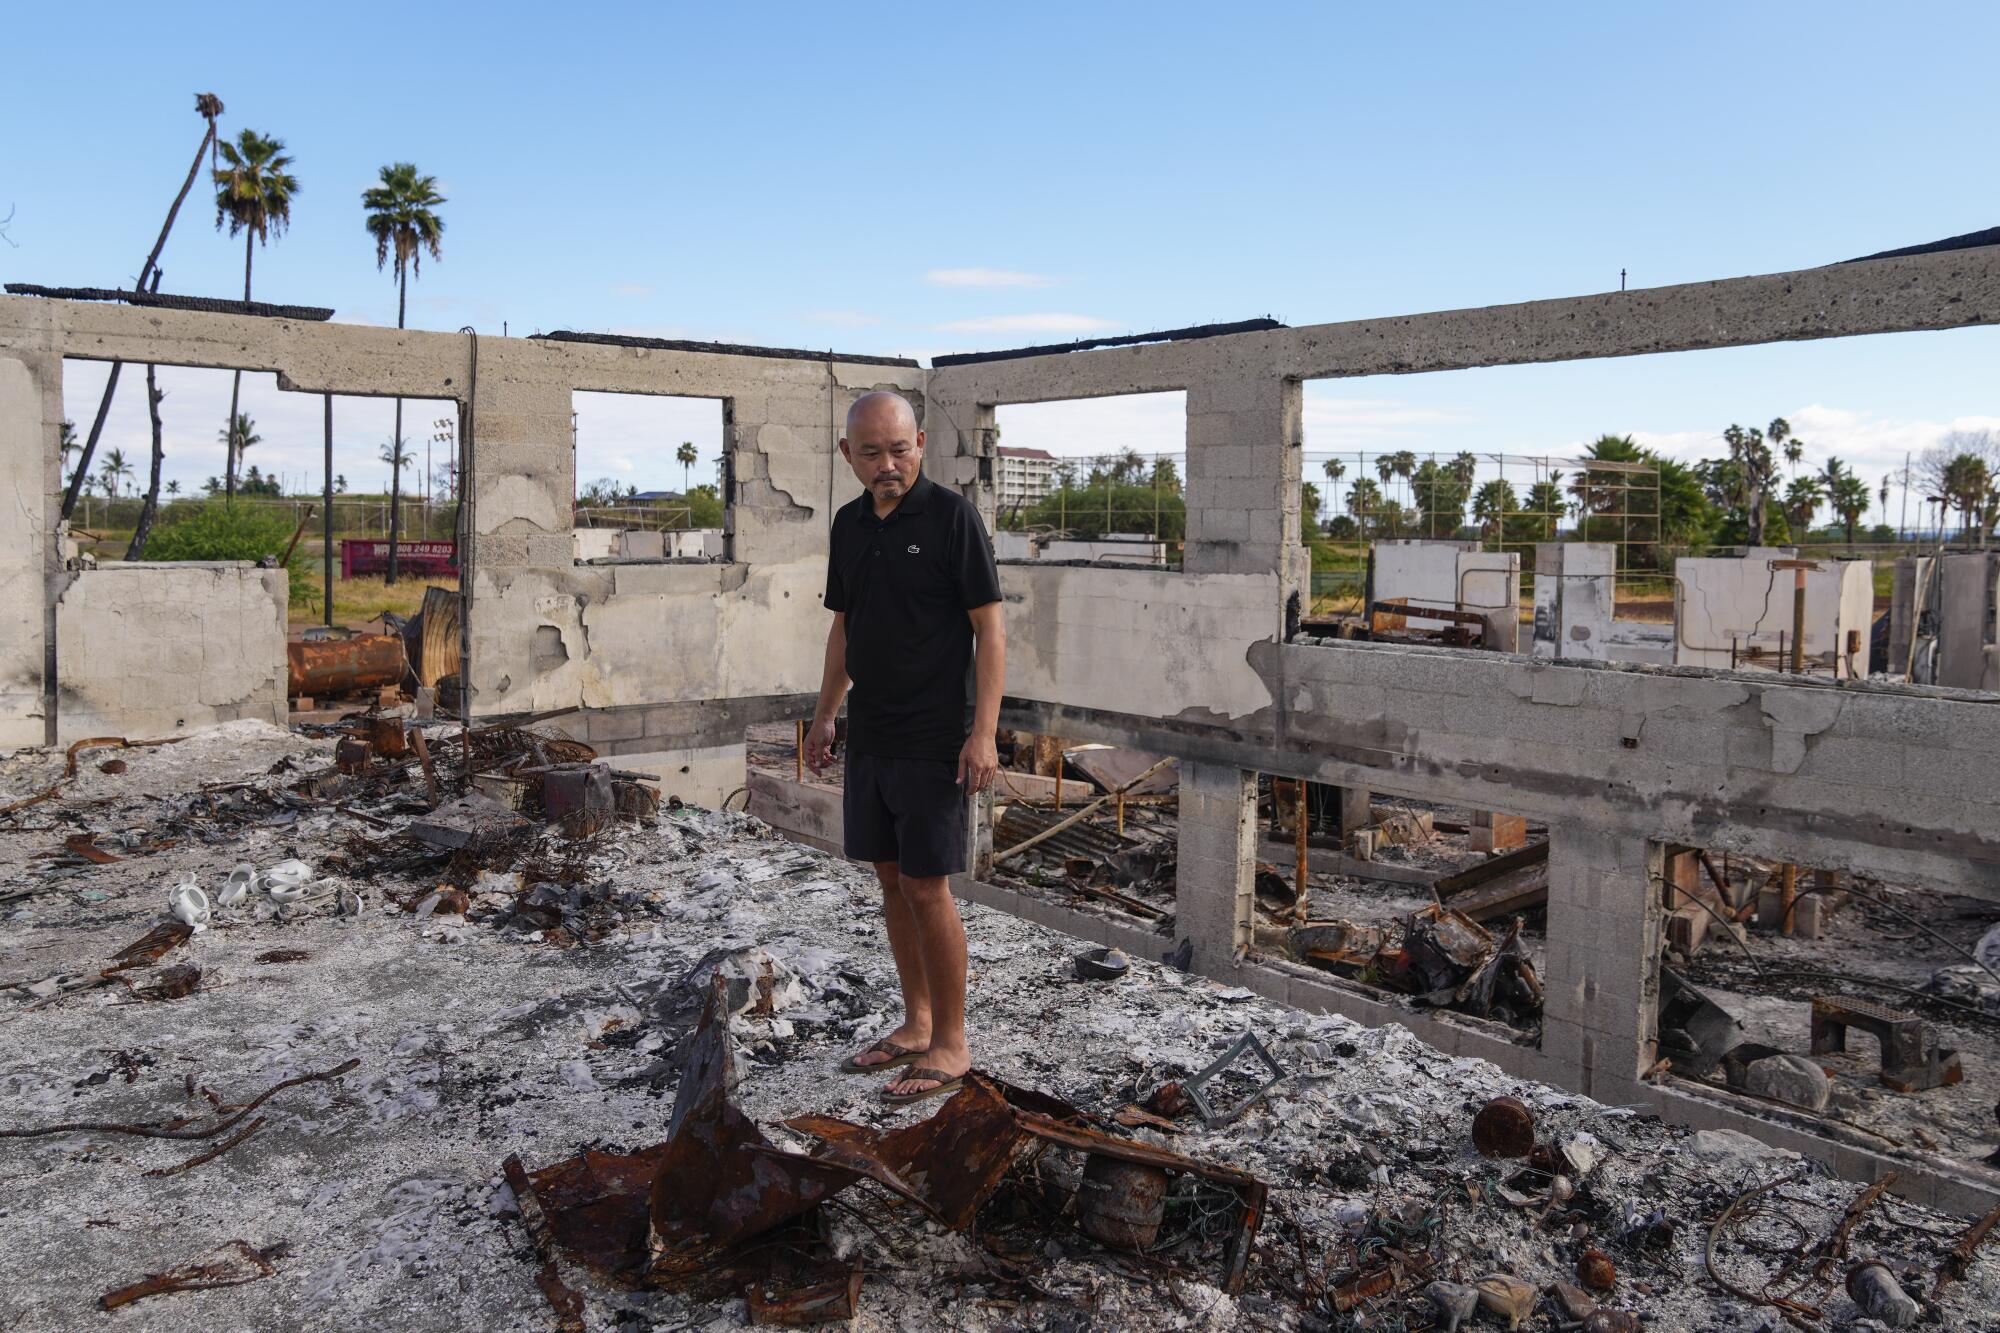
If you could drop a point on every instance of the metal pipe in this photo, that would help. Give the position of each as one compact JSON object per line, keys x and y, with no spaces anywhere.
{"x":1302,"y":903}
{"x":326,"y":556}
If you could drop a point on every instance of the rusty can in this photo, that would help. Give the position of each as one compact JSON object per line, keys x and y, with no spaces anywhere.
{"x":1595,"y":1270}
{"x":1121,"y":1204}
{"x":386,"y":736}
{"x":1504,"y":1127}
{"x":351,"y":755}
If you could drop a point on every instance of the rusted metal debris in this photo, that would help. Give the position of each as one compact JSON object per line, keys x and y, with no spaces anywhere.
{"x":229,"y":1265}
{"x":1504,"y":1128}
{"x":332,"y":667}
{"x":1213,"y":1115}
{"x":49,"y":792}
{"x":793,"y":1305}
{"x":703,"y":1205}
{"x":151,"y":947}
{"x":85,"y":846}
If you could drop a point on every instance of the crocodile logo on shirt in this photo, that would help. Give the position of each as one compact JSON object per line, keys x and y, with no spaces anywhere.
{"x":914,"y":550}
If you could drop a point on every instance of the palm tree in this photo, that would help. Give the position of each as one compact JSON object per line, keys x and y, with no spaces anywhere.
{"x":1492,"y":504}
{"x":1780,"y":433}
{"x":1966,"y":480}
{"x":209,"y":107}
{"x":687,"y":456}
{"x":1750,"y":475}
{"x":404,"y":223}
{"x":1884,"y":494}
{"x":1801,"y":503}
{"x":396,"y":457}
{"x":173,"y":488}
{"x":1364,"y":497}
{"x":1830,"y":475}
{"x":1545,"y":503}
{"x":235,"y":442}
{"x":1849,"y":498}
{"x":114,"y":470}
{"x":254,"y":196}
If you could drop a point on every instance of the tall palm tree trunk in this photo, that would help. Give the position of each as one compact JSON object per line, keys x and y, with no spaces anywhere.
{"x":146,"y":270}
{"x":236,"y":387}
{"x":396,"y":443}
{"x":147,"y":511}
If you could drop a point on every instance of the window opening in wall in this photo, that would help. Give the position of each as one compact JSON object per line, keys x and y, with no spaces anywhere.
{"x":1871,"y":1004}
{"x":1441,"y":905}
{"x":1621,"y":490}
{"x":652,"y":477}
{"x":1092,"y":481}
{"x":279,"y":483}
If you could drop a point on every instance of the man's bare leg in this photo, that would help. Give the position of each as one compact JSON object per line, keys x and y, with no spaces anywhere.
{"x":940,"y":939}
{"x":915,"y":1033}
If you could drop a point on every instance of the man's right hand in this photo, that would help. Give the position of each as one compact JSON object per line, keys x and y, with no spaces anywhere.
{"x":819,"y":745}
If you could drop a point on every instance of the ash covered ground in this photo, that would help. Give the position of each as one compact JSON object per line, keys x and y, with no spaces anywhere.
{"x":545,"y":1030}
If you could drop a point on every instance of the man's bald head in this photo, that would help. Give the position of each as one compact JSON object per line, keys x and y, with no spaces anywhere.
{"x":884,"y":446}
{"x":884,"y":408}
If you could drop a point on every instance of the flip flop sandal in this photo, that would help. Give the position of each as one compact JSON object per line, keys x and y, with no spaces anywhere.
{"x":945,"y":1083}
{"x":898,"y":1058}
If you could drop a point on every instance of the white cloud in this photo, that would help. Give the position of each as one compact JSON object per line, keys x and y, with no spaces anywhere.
{"x":631,"y":289}
{"x":1047,"y":323}
{"x":985,"y":277}
{"x":1147,"y":423}
{"x":846,"y":319}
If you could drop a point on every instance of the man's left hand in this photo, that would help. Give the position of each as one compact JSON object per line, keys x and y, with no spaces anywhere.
{"x":978,"y":761}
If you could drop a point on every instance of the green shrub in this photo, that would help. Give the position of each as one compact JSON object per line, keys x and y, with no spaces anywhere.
{"x":216,"y":530}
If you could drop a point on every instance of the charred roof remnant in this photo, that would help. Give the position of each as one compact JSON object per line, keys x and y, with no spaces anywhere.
{"x":1967,"y":241}
{"x":1262,"y":325}
{"x":721,"y":349}
{"x":206,"y":304}
{"x":703,"y":1206}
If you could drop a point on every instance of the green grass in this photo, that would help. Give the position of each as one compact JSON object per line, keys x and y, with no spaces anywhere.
{"x":360,"y":600}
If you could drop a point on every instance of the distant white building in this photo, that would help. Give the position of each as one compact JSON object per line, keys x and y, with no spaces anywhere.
{"x":1024,"y":476}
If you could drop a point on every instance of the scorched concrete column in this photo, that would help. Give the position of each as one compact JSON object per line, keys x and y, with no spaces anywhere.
{"x":524,"y":489}
{"x":1600,"y":1008}
{"x":30,"y":415}
{"x":1244,"y":442}
{"x":1217,"y":861}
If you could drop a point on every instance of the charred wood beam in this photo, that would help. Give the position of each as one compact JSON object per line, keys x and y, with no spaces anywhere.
{"x":167,"y":301}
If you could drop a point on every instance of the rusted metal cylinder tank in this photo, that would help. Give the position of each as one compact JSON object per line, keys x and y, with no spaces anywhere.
{"x":1121,"y":1204}
{"x":343,"y":666}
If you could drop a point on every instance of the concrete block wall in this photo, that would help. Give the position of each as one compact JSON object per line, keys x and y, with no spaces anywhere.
{"x":1213,"y":897}
{"x":1575,"y":597}
{"x":159,"y":649}
{"x":30,"y":416}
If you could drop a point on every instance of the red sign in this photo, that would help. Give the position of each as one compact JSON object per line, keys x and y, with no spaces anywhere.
{"x":419,"y":558}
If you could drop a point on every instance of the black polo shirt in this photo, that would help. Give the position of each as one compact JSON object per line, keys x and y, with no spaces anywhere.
{"x":905,"y":584}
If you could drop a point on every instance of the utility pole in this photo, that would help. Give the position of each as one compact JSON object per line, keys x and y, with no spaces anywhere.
{"x":1902,"y":523}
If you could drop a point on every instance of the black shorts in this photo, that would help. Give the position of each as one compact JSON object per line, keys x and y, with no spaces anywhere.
{"x":909,"y":811}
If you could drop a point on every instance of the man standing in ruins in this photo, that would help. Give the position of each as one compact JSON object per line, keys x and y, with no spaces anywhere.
{"x":912,"y":586}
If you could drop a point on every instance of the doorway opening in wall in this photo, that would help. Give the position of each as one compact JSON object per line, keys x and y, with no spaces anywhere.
{"x":1670,"y":497}
{"x":653,"y":477}
{"x":1095,"y":481}
{"x":259,"y":491}
{"x":1871,"y":1004}
{"x":1442,"y":905}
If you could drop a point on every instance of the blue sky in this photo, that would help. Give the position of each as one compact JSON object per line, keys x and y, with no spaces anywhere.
{"x":945,"y":178}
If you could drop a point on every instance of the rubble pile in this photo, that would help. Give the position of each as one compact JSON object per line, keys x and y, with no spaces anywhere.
{"x":582,"y":1075}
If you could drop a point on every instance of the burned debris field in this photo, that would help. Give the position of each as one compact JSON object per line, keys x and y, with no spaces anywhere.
{"x":566,"y":1058}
